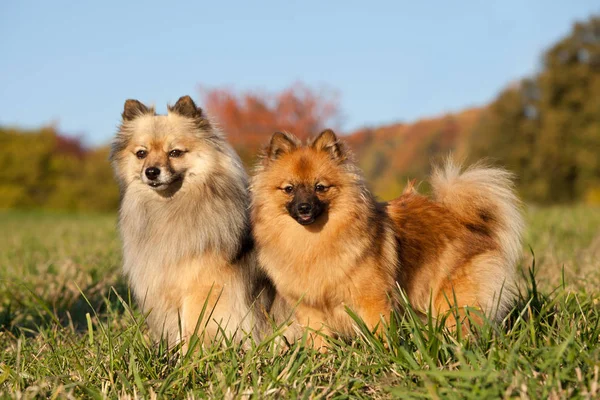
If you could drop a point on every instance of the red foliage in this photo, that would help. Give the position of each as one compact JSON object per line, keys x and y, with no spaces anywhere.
{"x":250,"y":118}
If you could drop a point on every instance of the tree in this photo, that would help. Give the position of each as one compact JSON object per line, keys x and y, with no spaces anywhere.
{"x":250,"y":118}
{"x":44,"y":169}
{"x":570,"y":108}
{"x":547,"y":129}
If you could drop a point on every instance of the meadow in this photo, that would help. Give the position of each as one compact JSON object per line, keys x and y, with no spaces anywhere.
{"x":68,"y":329}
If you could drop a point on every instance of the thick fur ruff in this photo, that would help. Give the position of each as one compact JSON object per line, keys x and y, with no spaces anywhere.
{"x":187,"y":242}
{"x":458,"y":248}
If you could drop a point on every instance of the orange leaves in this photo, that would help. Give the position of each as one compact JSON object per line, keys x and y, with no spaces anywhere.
{"x":249,"y":118}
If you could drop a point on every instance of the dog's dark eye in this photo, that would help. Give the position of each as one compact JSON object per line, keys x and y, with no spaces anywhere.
{"x":288,"y":189}
{"x":175,"y":153}
{"x":319,"y":188}
{"x":141,"y":154}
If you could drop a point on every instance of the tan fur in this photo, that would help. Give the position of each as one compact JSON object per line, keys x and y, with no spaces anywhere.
{"x":189,"y":243}
{"x":462,"y":244}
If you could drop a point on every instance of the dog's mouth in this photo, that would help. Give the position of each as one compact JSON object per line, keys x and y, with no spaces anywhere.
{"x":160,"y":186}
{"x":310,"y":217}
{"x":307,"y":216}
{"x":305,"y":219}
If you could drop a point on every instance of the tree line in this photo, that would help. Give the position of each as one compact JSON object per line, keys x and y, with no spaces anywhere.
{"x":44,"y":169}
{"x":545,"y":128}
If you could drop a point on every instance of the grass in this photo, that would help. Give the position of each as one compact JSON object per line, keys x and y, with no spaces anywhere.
{"x":67,"y":329}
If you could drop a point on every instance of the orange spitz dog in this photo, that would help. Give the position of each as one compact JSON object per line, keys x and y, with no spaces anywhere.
{"x":328,"y":244}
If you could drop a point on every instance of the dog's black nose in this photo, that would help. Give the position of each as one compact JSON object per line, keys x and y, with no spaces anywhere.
{"x":152,"y":173}
{"x":304,"y":208}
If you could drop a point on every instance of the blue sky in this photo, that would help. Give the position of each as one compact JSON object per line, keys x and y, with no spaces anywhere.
{"x":74,"y":63}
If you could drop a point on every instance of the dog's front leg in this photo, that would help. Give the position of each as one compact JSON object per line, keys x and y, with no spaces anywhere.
{"x":314,"y":320}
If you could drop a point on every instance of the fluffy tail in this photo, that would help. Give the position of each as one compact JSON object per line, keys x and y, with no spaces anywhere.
{"x":485,"y":198}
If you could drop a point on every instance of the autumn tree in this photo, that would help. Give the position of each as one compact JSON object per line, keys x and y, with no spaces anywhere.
{"x":250,"y":118}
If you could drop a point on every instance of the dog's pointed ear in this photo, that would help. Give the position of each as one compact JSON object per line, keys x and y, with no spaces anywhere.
{"x":186,"y":107}
{"x":410,"y":187}
{"x":327,"y":141}
{"x":133,"y":109}
{"x":280,"y":144}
